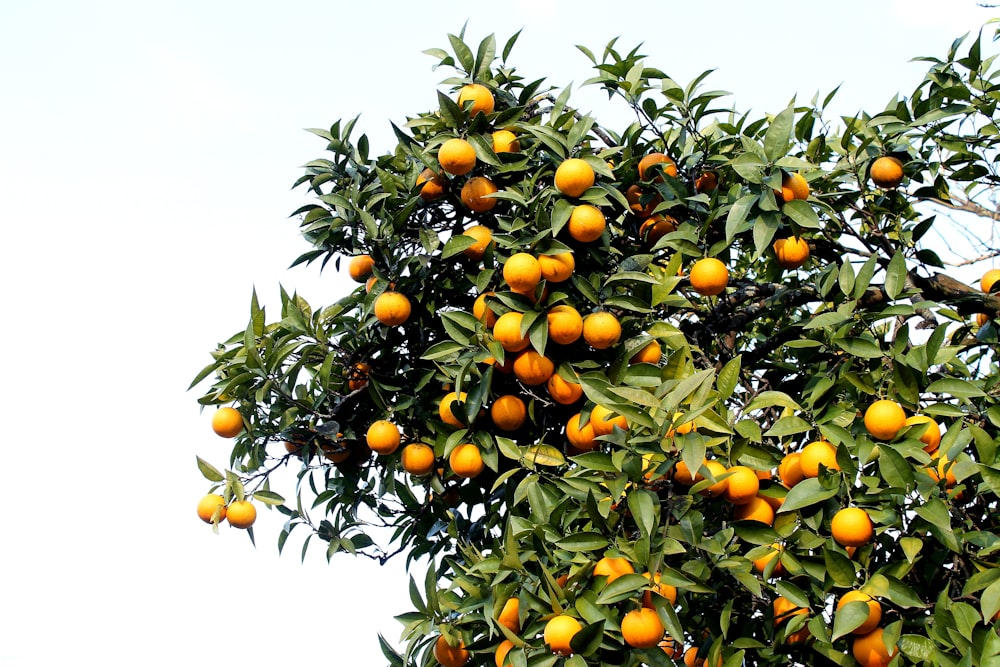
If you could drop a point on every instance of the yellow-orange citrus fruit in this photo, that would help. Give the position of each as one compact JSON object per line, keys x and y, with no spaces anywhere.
{"x":988,"y":279}
{"x":475,"y":194}
{"x":886,"y":172}
{"x":505,"y":141}
{"x":557,"y":268}
{"x":360,"y":267}
{"x":582,"y":437}
{"x":742,"y":485}
{"x":573,"y":177}
{"x":431,"y":184}
{"x":874,"y":610}
{"x":679,"y":428}
{"x":884,"y":419}
{"x":612,"y":568}
{"x":604,"y":420}
{"x":656,"y":227}
{"x":479,"y":95}
{"x":641,"y":628}
{"x":533,"y":369}
{"x":673,"y":648}
{"x":870,"y":650}
{"x":207,"y":506}
{"x":481,"y":310}
{"x":816,"y":453}
{"x":941,"y":468}
{"x":357,"y":376}
{"x":563,"y":392}
{"x":502,"y":650}
{"x":784,"y":609}
{"x":483,"y":237}
{"x":707,"y":181}
{"x":646,"y":163}
{"x":717,"y":472}
{"x":522,"y":272}
{"x":642,"y":202}
{"x":791,"y":252}
{"x":466,"y":461}
{"x":227,"y":422}
{"x":794,"y":186}
{"x":651,"y":353}
{"x":757,"y":509}
{"x":383,"y":437}
{"x":691,"y":658}
{"x":392,"y":308}
{"x":418,"y":459}
{"x":370,"y":283}
{"x":509,"y":615}
{"x":790,"y":469}
{"x":241,"y":514}
{"x":337,"y":453}
{"x":982,"y":319}
{"x":446,"y":409}
{"x":761,"y":563}
{"x":448,"y":655}
{"x":507,"y":332}
{"x":682,"y":474}
{"x":663,"y":590}
{"x":586,"y":223}
{"x":508,"y":412}
{"x":457,"y":156}
{"x":931,"y":436}
{"x":559,"y":631}
{"x":852,"y":527}
{"x":565,"y":324}
{"x":601,"y":330}
{"x":709,"y":276}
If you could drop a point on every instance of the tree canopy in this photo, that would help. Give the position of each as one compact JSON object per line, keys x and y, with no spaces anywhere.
{"x":696,"y":390}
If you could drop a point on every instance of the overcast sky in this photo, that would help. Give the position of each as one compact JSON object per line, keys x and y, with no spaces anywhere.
{"x":146,"y":156}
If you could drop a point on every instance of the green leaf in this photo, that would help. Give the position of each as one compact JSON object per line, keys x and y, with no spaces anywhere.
{"x":622,"y":588}
{"x":779,"y":134}
{"x":644,"y":506}
{"x":802,"y":213}
{"x":955,"y":387}
{"x":852,"y":615}
{"x":544,"y":455}
{"x":750,"y":167}
{"x":805,"y":493}
{"x":583,"y":541}
{"x":268,"y":497}
{"x":859,"y":347}
{"x":729,"y":377}
{"x":895,"y":275}
{"x":208,"y":471}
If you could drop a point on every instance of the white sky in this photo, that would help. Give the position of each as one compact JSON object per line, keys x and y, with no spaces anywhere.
{"x":146,"y":155}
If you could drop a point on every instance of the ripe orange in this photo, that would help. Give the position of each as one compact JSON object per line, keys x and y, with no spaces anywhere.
{"x":370,"y":283}
{"x":656,"y":227}
{"x":360,"y":267}
{"x":932,"y":435}
{"x":557,"y":268}
{"x":886,"y":172}
{"x":642,"y":202}
{"x":509,"y":615}
{"x":565,"y":324}
{"x":207,"y":506}
{"x":816,"y":453}
{"x":941,"y":468}
{"x":682,"y":474}
{"x":559,"y":631}
{"x":508,"y":412}
{"x":681,"y":428}
{"x":457,"y":156}
{"x":717,"y":472}
{"x":673,"y":648}
{"x":431,"y":184}
{"x":604,"y":420}
{"x":982,"y":319}
{"x":522,"y":272}
{"x":641,"y":628}
{"x":988,"y":279}
{"x":466,"y":461}
{"x":480,"y":310}
{"x":563,"y":392}
{"x":651,"y":353}
{"x":418,"y":459}
{"x":586,"y":223}
{"x":392,"y":308}
{"x":874,"y":610}
{"x":582,"y":437}
{"x":663,"y":590}
{"x":870,"y":650}
{"x":507,"y":332}
{"x":241,"y":514}
{"x":601,"y":330}
{"x":448,"y":655}
{"x":790,"y":469}
{"x":709,"y":276}
{"x":533,"y":369}
{"x":357,"y":376}
{"x":852,"y":527}
{"x":791,"y":252}
{"x":884,"y":419}
{"x":784,"y":610}
{"x":691,"y":658}
{"x":502,"y":650}
{"x":793,"y":186}
{"x":475,"y":194}
{"x":742,"y":485}
{"x":646,"y":163}
{"x":483,"y":237}
{"x":337,"y":453}
{"x":505,"y":141}
{"x":383,"y":437}
{"x":573,"y":177}
{"x":446,"y":409}
{"x":227,"y":422}
{"x":775,"y":552}
{"x":757,"y":509}
{"x":612,"y":568}
{"x":707,"y":181}
{"x":479,"y":95}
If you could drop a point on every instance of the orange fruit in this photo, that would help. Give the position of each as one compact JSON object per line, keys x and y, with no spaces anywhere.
{"x":601,"y":330}
{"x":418,"y":459}
{"x":793,"y":186}
{"x":790,"y":469}
{"x":982,"y":319}
{"x":507,"y":332}
{"x":582,"y":437}
{"x":508,"y":412}
{"x":870,"y":650}
{"x":941,"y":468}
{"x":874,"y":610}
{"x":446,"y":409}
{"x":641,"y":628}
{"x":483,"y":237}
{"x":707,"y":181}
{"x":815,"y":454}
{"x":557,"y":268}
{"x":761,"y":563}
{"x":742,"y":485}
{"x":884,"y":419}
{"x":563,"y":392}
{"x":791,"y":252}
{"x":886,"y":172}
{"x":533,"y":369}
{"x":651,"y":353}
{"x":691,"y":658}
{"x":241,"y":514}
{"x":682,"y":428}
{"x":501,"y":653}
{"x":457,"y":156}
{"x":757,"y":509}
{"x":509,"y":615}
{"x":360,"y":267}
{"x":682,"y":474}
{"x":392,"y":308}
{"x":466,"y":461}
{"x":931,"y":436}
{"x":573,"y":177}
{"x":716,"y":471}
{"x":475,"y":194}
{"x":559,"y":631}
{"x":709,"y":276}
{"x":337,"y":453}
{"x":646,"y":163}
{"x":586,"y":223}
{"x":522,"y":272}
{"x":612,"y":568}
{"x":604,"y":420}
{"x":431,"y":184}
{"x":784,"y":610}
{"x":448,"y":655}
{"x":357,"y":376}
{"x":673,"y":649}
{"x":642,"y":202}
{"x":663,"y":590}
{"x":988,"y":279}
{"x":382,"y":437}
{"x":209,"y":504}
{"x":565,"y":324}
{"x":227,"y":422}
{"x":370,"y":283}
{"x":479,"y":95}
{"x":480,"y":310}
{"x":505,"y":141}
{"x":852,"y":527}
{"x":656,"y":227}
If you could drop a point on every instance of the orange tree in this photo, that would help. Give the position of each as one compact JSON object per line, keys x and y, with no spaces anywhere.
{"x":700,"y":390}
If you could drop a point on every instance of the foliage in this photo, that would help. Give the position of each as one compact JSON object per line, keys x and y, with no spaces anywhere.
{"x":780,"y":359}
